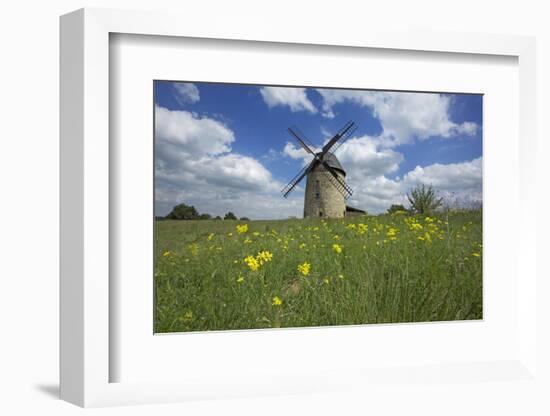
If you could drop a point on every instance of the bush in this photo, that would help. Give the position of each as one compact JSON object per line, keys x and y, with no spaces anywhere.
{"x":229,"y":216}
{"x":424,"y":200}
{"x":245,"y":219}
{"x":396,"y":208}
{"x":205,"y":217}
{"x":183,"y":212}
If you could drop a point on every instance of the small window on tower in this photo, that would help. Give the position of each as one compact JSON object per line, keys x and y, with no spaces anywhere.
{"x":320,"y":213}
{"x":317,"y":195}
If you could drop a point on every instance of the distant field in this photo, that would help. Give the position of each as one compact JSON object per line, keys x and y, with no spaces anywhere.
{"x":220,"y":275}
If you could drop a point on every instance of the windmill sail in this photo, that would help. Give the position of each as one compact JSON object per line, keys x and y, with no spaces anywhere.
{"x":290,"y":186}
{"x":335,"y":180}
{"x":319,"y":159}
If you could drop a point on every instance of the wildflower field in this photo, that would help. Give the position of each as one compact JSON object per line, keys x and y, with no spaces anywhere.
{"x":222,"y":275}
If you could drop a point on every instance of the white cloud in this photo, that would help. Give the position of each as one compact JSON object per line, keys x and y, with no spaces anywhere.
{"x":298,"y":152}
{"x":186,"y":92}
{"x":192,"y":134}
{"x":404,"y":116}
{"x":362,"y":157}
{"x":195,"y":164}
{"x":295,"y":98}
{"x":458,"y":183}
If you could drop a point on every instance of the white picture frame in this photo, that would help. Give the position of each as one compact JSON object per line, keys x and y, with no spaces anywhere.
{"x":85,"y":210}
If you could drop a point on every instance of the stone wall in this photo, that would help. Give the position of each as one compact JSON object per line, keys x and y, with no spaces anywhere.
{"x":322,"y":199}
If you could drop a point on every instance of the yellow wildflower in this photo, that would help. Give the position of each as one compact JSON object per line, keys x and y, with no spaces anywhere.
{"x":247,"y":241}
{"x":276,"y":301}
{"x":187,"y":316}
{"x":255,"y":233}
{"x":427,"y":237}
{"x":166,"y":253}
{"x":392,"y":233}
{"x":193,"y":248}
{"x":264,"y":257}
{"x":476,"y":254}
{"x":337,"y":248}
{"x":304,"y":268}
{"x":302,"y":245}
{"x":326,"y":281}
{"x":240,"y":279}
{"x":252,"y":263}
{"x":241,"y":229}
{"x":362,"y":228}
{"x":211,"y":236}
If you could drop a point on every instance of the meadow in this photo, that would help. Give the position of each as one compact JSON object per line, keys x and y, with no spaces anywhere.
{"x":223,"y":274}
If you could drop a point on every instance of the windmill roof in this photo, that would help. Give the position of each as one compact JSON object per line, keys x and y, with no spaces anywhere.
{"x":333,"y":162}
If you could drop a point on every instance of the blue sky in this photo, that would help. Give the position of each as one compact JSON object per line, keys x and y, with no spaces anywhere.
{"x":224,"y":147}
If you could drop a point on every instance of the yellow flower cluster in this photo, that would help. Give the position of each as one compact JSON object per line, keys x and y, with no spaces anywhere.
{"x":276,"y":301}
{"x":264,"y":257}
{"x":241,"y":229}
{"x":362,"y":228}
{"x":337,"y":248}
{"x":392,"y":233}
{"x":304,"y":268}
{"x":413,"y":224}
{"x":193,"y":248}
{"x":426,"y":237}
{"x":254,"y":263}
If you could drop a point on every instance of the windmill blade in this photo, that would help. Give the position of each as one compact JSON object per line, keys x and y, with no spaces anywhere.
{"x":346,"y":137}
{"x":303,"y":137}
{"x":343,"y":131}
{"x":335,"y":180}
{"x":290,"y":186}
{"x":301,"y":141}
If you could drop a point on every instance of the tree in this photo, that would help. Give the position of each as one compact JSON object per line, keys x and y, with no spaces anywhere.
{"x":229,"y":216}
{"x":205,"y":217}
{"x":396,"y":208}
{"x":183,"y":212}
{"x":245,"y":219}
{"x":423,"y":199}
{"x":218,"y":217}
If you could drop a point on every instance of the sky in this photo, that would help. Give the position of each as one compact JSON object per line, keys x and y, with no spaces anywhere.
{"x":225,"y":147}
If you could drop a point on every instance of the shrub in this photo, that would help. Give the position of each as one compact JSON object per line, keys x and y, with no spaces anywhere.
{"x":423,"y":199}
{"x":183,"y":212}
{"x":229,"y":216}
{"x":396,"y":208}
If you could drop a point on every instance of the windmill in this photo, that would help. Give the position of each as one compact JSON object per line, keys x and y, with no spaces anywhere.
{"x":326,"y":189}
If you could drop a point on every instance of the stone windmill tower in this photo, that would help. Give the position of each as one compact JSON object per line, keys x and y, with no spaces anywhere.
{"x":326,"y":189}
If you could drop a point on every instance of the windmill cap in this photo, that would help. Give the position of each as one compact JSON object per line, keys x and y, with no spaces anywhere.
{"x":332,"y":161}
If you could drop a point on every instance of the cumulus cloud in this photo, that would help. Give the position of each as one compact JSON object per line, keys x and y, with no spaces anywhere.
{"x":404,"y":116}
{"x":191,"y":134}
{"x":458,"y":183}
{"x":186,"y":93}
{"x":195,"y":164}
{"x":295,"y":98}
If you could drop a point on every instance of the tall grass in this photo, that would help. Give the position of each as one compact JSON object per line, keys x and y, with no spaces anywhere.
{"x":376,"y":269}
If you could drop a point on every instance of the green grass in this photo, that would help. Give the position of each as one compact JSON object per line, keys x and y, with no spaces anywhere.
{"x":392,"y":268}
